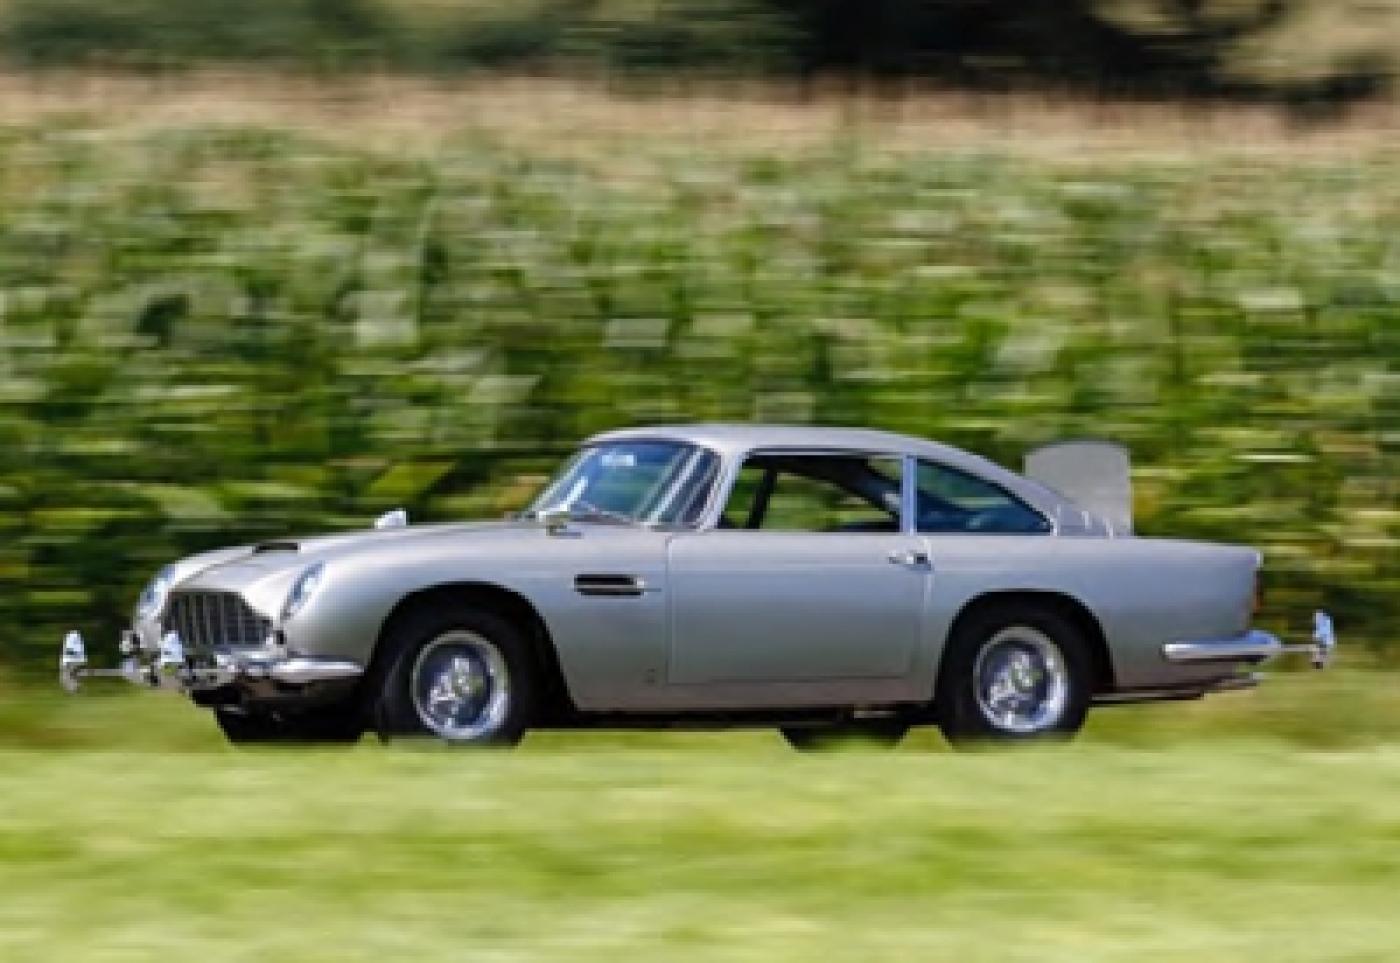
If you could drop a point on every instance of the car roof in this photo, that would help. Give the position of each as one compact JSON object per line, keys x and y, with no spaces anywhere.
{"x":737,"y":438}
{"x":734,"y":440}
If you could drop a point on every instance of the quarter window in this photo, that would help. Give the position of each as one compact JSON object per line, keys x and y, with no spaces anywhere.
{"x":949,"y":500}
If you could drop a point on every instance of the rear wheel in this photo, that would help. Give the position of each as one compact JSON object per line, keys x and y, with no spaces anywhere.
{"x":340,"y":724}
{"x":870,"y":734}
{"x":1020,"y":673}
{"x":459,"y":674}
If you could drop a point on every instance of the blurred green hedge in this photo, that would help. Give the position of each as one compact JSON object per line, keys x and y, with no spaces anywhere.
{"x":399,"y":34}
{"x":211,"y":336}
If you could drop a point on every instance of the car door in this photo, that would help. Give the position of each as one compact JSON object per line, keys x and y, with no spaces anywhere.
{"x":810,"y":578}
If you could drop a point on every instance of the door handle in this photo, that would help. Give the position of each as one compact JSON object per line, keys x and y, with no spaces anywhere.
{"x":909,"y":557}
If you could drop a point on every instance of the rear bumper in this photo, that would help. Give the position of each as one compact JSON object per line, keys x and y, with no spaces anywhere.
{"x":1255,"y":646}
{"x":170,"y":667}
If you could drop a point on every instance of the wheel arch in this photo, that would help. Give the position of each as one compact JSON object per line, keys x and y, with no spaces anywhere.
{"x":557,"y":701}
{"x":1066,"y":606}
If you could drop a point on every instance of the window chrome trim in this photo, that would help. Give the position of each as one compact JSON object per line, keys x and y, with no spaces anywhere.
{"x":909,"y":495}
{"x":673,"y":490}
{"x":701,"y":459}
{"x":728,"y":475}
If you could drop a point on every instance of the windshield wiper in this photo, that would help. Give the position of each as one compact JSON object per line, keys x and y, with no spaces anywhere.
{"x":581,"y":511}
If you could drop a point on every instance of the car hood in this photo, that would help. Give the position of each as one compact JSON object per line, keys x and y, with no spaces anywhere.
{"x":263,"y":573}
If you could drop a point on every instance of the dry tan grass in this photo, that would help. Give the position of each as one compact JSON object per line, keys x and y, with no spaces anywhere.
{"x":592,"y":120}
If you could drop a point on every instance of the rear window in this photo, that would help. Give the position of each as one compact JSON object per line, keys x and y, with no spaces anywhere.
{"x":949,"y":500}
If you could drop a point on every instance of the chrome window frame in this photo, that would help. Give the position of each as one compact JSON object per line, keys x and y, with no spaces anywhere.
{"x":724,"y":485}
{"x":695,"y":462}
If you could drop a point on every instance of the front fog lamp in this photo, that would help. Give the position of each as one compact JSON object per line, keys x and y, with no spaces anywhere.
{"x":153,"y":596}
{"x":302,"y":589}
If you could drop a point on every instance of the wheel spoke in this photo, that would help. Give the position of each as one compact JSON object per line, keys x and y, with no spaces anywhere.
{"x":1021,"y":681}
{"x":460,"y":686}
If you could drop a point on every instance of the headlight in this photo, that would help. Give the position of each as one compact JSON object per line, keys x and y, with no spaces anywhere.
{"x":153,"y":596}
{"x":302,"y":589}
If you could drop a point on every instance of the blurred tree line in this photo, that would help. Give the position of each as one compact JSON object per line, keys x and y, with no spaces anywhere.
{"x":215,"y":336}
{"x":1157,"y":47}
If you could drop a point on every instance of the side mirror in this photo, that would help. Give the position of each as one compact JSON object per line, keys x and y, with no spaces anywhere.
{"x":398,"y":518}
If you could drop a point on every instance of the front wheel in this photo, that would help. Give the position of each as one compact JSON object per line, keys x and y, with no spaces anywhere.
{"x":1019,"y":674}
{"x":459,"y":674}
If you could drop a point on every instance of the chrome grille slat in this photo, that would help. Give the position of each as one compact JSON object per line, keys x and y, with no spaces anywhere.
{"x":214,"y":618}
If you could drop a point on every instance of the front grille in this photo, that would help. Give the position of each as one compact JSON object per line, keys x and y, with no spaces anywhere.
{"x":215,"y":618}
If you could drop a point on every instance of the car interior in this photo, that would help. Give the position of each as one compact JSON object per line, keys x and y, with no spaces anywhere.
{"x":852,"y":493}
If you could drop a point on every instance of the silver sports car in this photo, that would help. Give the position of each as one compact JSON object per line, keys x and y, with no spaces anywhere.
{"x":832,"y":582}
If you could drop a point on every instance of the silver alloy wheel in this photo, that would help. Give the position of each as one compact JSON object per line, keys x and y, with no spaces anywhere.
{"x":461,"y":686}
{"x":1021,"y":681}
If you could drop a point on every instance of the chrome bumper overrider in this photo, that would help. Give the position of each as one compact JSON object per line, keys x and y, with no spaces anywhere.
{"x":1256,"y":646}
{"x":168,"y":666}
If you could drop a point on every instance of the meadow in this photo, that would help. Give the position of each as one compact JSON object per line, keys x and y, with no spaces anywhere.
{"x":1254,"y":825}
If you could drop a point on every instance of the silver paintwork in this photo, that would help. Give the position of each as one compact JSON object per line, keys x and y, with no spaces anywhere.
{"x":1094,"y":474}
{"x":707,"y":618}
{"x":1020,"y":681}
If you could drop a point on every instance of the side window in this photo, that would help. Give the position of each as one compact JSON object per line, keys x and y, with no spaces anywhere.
{"x":815,"y":493}
{"x":950,"y":500}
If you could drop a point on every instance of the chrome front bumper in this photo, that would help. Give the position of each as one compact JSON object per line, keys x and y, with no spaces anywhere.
{"x":1257,"y":646}
{"x":170,"y":667}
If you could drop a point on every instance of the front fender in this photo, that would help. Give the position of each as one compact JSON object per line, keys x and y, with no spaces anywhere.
{"x":610,"y":648}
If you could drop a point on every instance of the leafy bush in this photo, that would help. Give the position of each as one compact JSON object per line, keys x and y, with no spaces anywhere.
{"x":685,"y":34}
{"x":1213,"y":49}
{"x":155,"y":32}
{"x":211,"y":336}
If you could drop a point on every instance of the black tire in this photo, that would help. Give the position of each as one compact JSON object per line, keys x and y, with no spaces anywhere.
{"x":863,"y":734}
{"x":961,"y":713}
{"x":394,"y":711}
{"x":330,"y":725}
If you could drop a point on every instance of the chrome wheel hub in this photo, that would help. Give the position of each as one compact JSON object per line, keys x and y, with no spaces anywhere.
{"x":1021,"y":681}
{"x":460,"y":685}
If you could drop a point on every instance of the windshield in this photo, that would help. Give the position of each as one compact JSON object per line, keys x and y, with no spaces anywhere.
{"x":646,"y":482}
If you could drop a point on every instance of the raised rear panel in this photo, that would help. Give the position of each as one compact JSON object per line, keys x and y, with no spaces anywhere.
{"x":1095,"y":475}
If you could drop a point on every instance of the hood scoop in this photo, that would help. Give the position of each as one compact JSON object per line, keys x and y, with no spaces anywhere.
{"x":264,"y":547}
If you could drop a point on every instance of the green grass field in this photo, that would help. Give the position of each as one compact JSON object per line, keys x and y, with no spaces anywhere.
{"x":1252,"y":826}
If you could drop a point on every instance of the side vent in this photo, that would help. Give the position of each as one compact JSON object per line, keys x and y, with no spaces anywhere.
{"x":616,"y":585}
